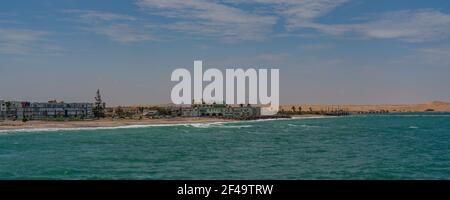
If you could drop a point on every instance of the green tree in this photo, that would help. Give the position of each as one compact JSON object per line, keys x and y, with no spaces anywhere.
{"x":119,"y":112}
{"x":99,"y":106}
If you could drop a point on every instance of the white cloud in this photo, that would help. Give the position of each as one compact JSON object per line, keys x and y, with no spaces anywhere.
{"x":121,"y":33}
{"x":225,"y":20}
{"x":210,"y":18}
{"x":117,"y":27}
{"x":106,"y":16}
{"x":23,"y":41}
{"x":411,"y":26}
{"x":408,"y":25}
{"x":297,"y":12}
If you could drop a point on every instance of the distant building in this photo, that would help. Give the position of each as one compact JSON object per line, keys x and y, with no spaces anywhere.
{"x":149,"y":113}
{"x":54,"y":109}
{"x":51,"y":109}
{"x":2,"y":109}
{"x":216,"y":110}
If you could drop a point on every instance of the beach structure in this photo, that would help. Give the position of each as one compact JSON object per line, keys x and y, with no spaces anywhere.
{"x":51,"y":109}
{"x":149,"y":112}
{"x":216,"y":110}
{"x":15,"y":109}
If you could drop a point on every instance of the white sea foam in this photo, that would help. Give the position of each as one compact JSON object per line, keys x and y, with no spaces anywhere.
{"x":196,"y":125}
{"x":86,"y":128}
{"x":199,"y":125}
{"x":292,"y":118}
{"x":309,"y":126}
{"x":312,"y":117}
{"x":241,"y":126}
{"x":218,"y":125}
{"x":304,"y":126}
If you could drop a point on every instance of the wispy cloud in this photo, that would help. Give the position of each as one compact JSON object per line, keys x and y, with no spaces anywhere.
{"x":409,"y":26}
{"x":117,"y":27}
{"x":24,"y":41}
{"x":101,"y":16}
{"x":210,"y":18}
{"x":298,"y":12}
{"x":237,"y":20}
{"x":228,"y":20}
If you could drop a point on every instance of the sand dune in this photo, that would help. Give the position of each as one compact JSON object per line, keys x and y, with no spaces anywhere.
{"x":436,"y":106}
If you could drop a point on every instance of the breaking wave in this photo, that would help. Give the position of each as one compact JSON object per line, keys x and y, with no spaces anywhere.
{"x":86,"y":128}
{"x":195,"y":125}
{"x":218,"y":125}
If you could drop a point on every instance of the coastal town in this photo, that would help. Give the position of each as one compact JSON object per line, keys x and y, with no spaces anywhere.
{"x":26,"y":114}
{"x":54,"y":110}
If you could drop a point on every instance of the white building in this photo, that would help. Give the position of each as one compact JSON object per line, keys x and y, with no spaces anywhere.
{"x":52,"y":109}
{"x":217,"y":110}
{"x":59,"y":109}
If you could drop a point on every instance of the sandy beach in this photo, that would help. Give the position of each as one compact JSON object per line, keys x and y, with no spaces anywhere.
{"x":14,"y":125}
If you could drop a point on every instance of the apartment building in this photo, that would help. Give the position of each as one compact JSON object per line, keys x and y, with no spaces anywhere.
{"x":51,"y":109}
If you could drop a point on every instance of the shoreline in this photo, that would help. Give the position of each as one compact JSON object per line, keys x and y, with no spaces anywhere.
{"x":102,"y":123}
{"x":14,"y":126}
{"x":9,"y":125}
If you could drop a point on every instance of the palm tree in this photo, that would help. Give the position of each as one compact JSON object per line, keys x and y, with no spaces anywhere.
{"x":293,"y":109}
{"x":300,"y":109}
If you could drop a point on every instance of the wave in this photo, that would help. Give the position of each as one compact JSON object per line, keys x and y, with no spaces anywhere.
{"x":203,"y":125}
{"x":217,"y":125}
{"x":196,"y":125}
{"x":304,"y":126}
{"x":313,"y":117}
{"x":87,"y":128}
{"x":286,"y":119}
{"x":242,"y":126}
{"x":309,"y":126}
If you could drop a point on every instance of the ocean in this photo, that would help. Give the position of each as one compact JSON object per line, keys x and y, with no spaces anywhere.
{"x":384,"y":146}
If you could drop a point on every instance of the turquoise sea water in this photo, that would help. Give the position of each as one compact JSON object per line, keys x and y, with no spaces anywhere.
{"x":392,"y":146}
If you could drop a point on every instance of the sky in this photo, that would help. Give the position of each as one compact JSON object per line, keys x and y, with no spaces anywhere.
{"x":328,"y":51}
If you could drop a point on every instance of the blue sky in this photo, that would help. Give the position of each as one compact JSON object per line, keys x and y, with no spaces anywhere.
{"x":328,"y":51}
